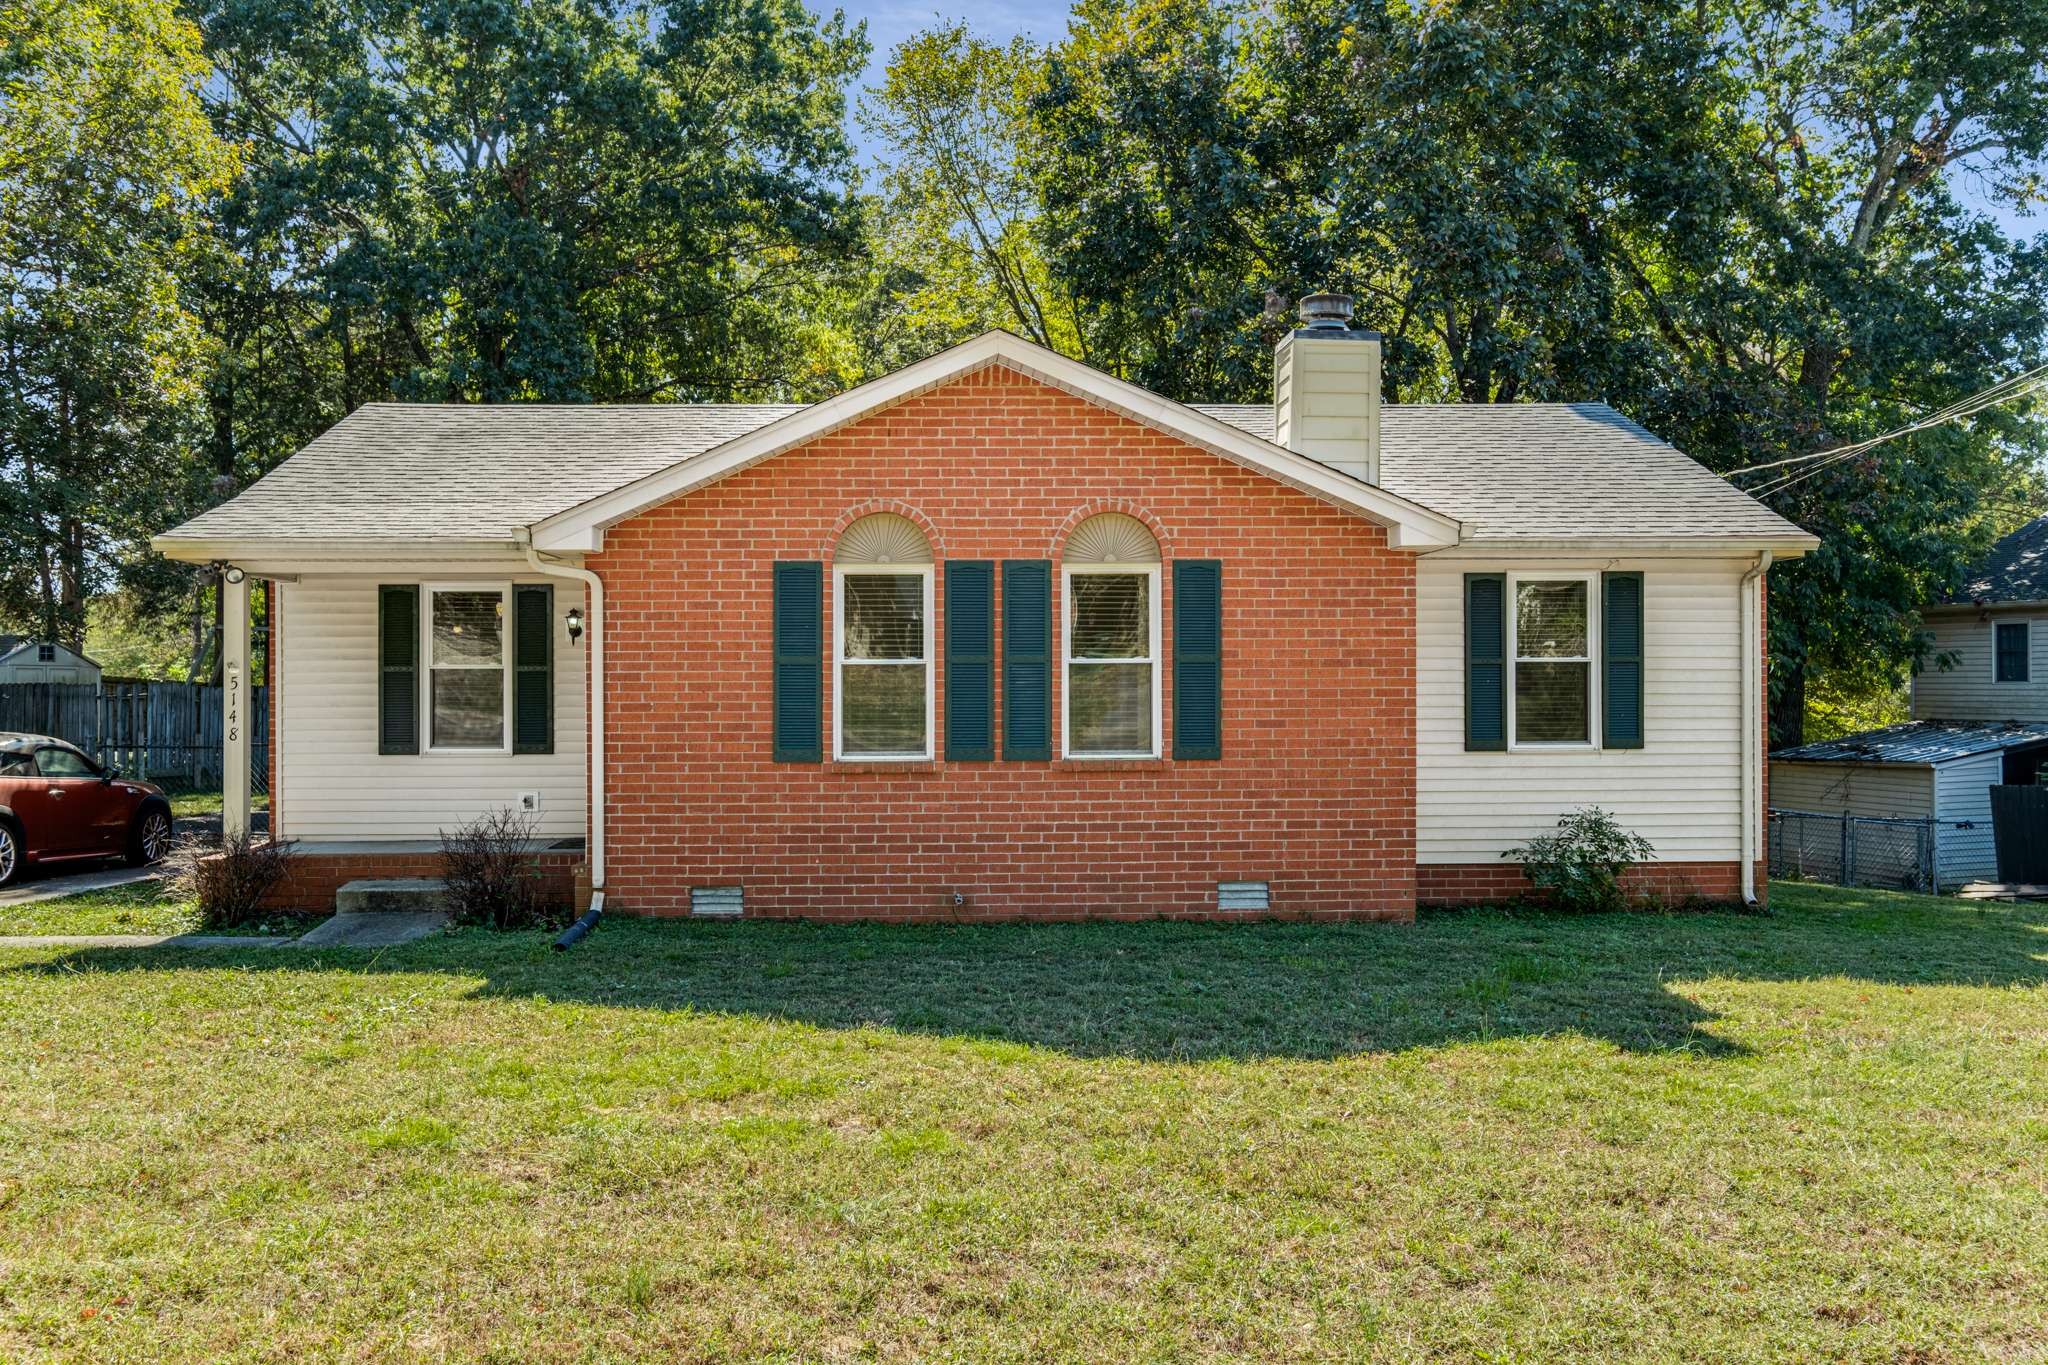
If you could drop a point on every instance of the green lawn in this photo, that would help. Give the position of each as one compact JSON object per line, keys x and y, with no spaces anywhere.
{"x":193,"y":803}
{"x":137,"y":908}
{"x":1510,"y":1137}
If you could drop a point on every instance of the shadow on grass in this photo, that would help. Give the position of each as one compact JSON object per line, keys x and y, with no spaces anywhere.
{"x":1167,"y":991}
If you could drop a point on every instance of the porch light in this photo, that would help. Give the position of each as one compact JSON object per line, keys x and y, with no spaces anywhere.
{"x":575,"y":624}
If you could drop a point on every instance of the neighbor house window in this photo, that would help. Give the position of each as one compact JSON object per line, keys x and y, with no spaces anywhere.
{"x":882,"y":628}
{"x":466,"y":667}
{"x":1111,"y":567}
{"x":46,"y":654}
{"x":1551,"y":643}
{"x":2012,"y":651}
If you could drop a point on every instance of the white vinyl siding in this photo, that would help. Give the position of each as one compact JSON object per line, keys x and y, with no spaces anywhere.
{"x":1963,"y":848}
{"x":333,"y":784}
{"x":1969,"y":690}
{"x":1681,"y":790}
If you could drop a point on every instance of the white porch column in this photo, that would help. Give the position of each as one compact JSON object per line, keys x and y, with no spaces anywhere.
{"x":234,"y":701}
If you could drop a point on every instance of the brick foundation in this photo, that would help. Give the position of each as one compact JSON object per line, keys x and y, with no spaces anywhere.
{"x":1315,"y":792}
{"x":1443,"y":884}
{"x":313,"y":878}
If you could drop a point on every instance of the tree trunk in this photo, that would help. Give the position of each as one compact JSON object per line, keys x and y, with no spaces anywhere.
{"x":1788,"y":705}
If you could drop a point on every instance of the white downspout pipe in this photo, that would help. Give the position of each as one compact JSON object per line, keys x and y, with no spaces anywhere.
{"x":594,"y":629}
{"x":1752,"y":657}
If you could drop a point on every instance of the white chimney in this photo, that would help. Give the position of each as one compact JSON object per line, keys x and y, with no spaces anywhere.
{"x":1326,"y":389}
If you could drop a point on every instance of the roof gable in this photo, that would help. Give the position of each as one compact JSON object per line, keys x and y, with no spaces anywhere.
{"x":1410,"y":525}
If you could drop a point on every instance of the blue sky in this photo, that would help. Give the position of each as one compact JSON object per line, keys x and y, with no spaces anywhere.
{"x":891,"y":21}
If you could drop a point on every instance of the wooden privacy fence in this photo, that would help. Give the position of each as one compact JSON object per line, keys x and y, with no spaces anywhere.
{"x":2019,"y":832}
{"x":168,"y":732}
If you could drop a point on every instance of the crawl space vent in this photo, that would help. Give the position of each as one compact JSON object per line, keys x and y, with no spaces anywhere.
{"x":1243,"y":896}
{"x":717,"y":901}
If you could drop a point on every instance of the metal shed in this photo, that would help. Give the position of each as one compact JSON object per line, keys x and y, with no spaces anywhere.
{"x":1942,"y":770}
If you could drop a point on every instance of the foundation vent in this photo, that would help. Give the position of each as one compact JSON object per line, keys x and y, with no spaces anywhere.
{"x":1243,"y":896}
{"x":718,"y":902}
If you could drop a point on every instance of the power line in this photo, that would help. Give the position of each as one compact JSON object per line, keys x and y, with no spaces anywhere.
{"x":2004,"y":391}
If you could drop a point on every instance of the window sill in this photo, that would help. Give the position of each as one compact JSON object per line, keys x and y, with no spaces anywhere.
{"x":885,"y":765}
{"x":1110,"y":765}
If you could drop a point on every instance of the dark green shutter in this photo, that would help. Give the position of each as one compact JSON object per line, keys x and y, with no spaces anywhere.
{"x":1486,"y":673}
{"x":1621,"y":660}
{"x":398,"y":669}
{"x":799,"y":661}
{"x":1197,"y":658}
{"x":533,"y":668}
{"x":1027,"y":659}
{"x":970,"y":659}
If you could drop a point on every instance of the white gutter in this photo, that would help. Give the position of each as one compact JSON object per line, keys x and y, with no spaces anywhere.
{"x":1752,"y":657}
{"x":594,"y":627}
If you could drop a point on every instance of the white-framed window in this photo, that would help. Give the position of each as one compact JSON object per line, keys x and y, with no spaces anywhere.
{"x":1111,"y":646}
{"x":1553,"y":629}
{"x":466,"y":648}
{"x":2011,"y":651}
{"x":882,"y":671}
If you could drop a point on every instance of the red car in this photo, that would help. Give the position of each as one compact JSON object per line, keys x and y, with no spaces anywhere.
{"x":57,"y":805}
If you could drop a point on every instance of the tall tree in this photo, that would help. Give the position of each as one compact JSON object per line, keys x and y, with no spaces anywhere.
{"x":106,"y":160}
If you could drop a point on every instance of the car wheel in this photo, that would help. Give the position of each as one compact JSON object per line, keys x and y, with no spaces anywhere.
{"x":150,"y":839}
{"x":10,"y":853}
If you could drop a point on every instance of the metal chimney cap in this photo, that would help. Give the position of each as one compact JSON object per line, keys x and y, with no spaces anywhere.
{"x":1331,"y":311}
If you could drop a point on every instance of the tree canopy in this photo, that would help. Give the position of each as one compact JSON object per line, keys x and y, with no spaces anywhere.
{"x":1740,"y":222}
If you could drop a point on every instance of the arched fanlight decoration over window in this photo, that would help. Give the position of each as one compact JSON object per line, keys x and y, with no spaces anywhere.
{"x":1112,"y":538}
{"x":883,"y":538}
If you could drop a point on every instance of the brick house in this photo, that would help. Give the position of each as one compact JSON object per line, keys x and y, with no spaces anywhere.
{"x":999,"y":635}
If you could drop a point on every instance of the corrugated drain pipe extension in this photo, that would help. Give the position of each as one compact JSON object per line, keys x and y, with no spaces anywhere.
{"x":1752,"y":657}
{"x":594,"y":629}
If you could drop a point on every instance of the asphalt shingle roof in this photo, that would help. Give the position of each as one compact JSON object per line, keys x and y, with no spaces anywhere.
{"x":395,"y":471}
{"x":1920,"y":741}
{"x":2015,"y":570}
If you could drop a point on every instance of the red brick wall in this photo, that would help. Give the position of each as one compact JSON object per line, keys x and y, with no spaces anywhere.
{"x":1649,"y":883}
{"x":313,"y":878}
{"x":1316,"y":789}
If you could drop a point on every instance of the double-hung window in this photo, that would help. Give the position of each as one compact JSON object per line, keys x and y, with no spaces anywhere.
{"x":2011,"y":651}
{"x":884,"y":677}
{"x":1112,"y":653}
{"x":1553,"y":697}
{"x":466,"y":673}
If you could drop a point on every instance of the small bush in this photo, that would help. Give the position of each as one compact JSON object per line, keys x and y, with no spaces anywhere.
{"x":228,"y":880}
{"x":1580,"y":865}
{"x":492,"y":878}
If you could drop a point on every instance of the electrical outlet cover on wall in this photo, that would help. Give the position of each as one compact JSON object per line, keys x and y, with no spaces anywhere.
{"x":529,"y":803}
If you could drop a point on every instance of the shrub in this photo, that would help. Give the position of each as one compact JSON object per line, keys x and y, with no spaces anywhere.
{"x":1580,"y":865}
{"x":228,"y":880}
{"x":492,"y":876}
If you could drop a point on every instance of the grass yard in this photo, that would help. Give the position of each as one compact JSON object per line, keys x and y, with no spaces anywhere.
{"x":195,"y":803}
{"x":137,"y":908}
{"x":1818,"y":1134}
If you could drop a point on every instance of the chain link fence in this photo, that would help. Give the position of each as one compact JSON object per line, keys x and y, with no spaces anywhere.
{"x":1853,"y":850}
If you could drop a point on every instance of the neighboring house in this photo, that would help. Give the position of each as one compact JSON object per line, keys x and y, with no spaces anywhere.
{"x":41,"y":661}
{"x":1980,"y":718}
{"x":1002,"y":635}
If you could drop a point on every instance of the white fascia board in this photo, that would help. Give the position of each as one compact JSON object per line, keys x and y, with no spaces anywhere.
{"x":1411,"y":525}
{"x":288,"y":554}
{"x":1790,"y":546}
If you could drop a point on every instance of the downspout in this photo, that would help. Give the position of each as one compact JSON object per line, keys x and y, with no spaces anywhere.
{"x":1752,"y":657}
{"x":594,"y":590}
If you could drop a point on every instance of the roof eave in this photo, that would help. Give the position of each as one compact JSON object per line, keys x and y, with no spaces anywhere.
{"x":1410,"y":525}
{"x":1788,"y":546}
{"x":369,"y":552}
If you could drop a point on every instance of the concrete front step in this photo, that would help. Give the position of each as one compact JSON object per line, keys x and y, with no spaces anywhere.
{"x":392,"y":896}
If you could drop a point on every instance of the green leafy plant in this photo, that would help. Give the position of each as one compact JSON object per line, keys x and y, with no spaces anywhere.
{"x":1579,"y":866}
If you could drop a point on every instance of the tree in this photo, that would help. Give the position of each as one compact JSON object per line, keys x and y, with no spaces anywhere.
{"x":1733,"y":220}
{"x":106,"y":159}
